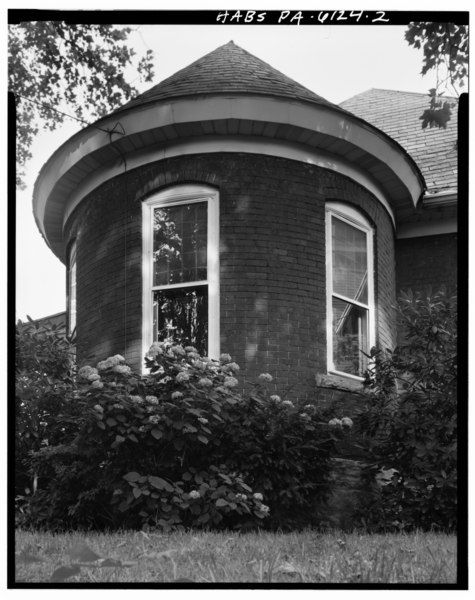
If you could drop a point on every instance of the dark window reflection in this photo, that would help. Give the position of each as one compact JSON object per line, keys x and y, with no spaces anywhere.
{"x":180,"y":243}
{"x":350,"y":336}
{"x":182,"y":315}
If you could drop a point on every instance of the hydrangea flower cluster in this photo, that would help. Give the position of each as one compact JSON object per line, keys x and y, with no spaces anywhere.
{"x":88,"y":373}
{"x":194,"y":495}
{"x":151,"y":399}
{"x":136,"y":399}
{"x":345,"y":422}
{"x":205,"y":382}
{"x":265,"y":378}
{"x":275,"y":398}
{"x":230,"y":382}
{"x":111,"y":362}
{"x":288,"y":403}
{"x":155,"y":349}
{"x":182,"y":377}
{"x":122,"y":369}
{"x":231,"y":367}
{"x":178,"y":350}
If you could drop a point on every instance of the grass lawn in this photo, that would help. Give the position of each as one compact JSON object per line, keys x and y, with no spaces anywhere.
{"x":308,"y":557}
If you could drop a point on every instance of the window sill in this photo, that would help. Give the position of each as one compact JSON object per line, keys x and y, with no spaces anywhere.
{"x":339,"y":382}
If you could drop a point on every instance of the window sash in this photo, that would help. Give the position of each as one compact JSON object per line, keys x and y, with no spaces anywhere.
{"x":349,"y":216}
{"x":182,"y":195}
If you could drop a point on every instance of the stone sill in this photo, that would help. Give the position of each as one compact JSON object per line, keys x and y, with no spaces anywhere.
{"x":339,"y":382}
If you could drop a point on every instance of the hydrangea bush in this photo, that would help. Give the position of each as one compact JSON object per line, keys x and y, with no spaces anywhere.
{"x":183,"y":447}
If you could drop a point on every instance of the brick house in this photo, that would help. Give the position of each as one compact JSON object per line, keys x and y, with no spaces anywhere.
{"x":237,"y":210}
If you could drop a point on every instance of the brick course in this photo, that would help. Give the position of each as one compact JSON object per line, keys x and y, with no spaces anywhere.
{"x":272,"y":262}
{"x":427,"y":263}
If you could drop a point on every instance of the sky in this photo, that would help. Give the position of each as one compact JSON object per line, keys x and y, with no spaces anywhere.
{"x":333,"y":61}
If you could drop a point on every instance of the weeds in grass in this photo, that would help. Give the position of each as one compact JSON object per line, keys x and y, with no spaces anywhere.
{"x":207,"y":558}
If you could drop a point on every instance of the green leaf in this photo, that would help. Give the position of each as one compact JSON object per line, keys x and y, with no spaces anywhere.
{"x":160,"y":483}
{"x":111,"y":422}
{"x":132,"y":476}
{"x":137,"y":492}
{"x":157,"y":434}
{"x":63,"y":573}
{"x":221,"y":502}
{"x":202,"y":439}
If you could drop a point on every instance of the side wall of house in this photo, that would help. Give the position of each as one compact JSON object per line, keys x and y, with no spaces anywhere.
{"x":427,"y":262}
{"x":272,"y":262}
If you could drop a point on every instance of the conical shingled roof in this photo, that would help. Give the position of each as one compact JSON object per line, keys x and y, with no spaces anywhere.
{"x":228,"y":69}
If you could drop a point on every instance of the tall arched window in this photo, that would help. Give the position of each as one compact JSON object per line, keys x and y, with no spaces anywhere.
{"x":181,"y":267}
{"x":350,"y":290}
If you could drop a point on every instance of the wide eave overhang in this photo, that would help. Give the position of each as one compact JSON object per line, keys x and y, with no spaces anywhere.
{"x":318,"y":134}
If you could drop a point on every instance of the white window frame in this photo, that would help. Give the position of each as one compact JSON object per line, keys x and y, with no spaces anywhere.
{"x":352,"y":217}
{"x":174,"y":196}
{"x":72,"y":289}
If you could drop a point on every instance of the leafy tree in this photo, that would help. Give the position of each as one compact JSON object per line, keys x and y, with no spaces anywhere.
{"x":409,"y":421}
{"x":78,"y":69}
{"x":445,"y":47}
{"x":44,"y":378}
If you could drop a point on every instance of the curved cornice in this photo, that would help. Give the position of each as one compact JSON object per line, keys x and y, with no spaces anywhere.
{"x":317,"y":134}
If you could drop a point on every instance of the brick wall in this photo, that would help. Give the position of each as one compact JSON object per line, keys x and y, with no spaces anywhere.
{"x":272,"y":262}
{"x":427,"y":262}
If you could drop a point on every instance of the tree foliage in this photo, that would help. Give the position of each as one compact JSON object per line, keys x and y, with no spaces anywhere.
{"x":44,"y":376}
{"x":445,"y":49}
{"x":78,"y":69}
{"x":410,"y":419}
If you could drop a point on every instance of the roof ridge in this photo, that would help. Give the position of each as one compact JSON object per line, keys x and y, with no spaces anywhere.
{"x":402,"y":92}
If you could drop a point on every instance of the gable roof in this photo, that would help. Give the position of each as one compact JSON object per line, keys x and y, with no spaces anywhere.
{"x":398,"y":114}
{"x":226,"y":69}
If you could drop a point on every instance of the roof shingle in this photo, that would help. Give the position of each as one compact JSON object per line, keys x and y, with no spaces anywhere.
{"x":398,"y":114}
{"x":228,"y":69}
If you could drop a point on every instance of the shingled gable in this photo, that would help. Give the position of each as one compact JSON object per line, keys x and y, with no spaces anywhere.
{"x":226,"y":101}
{"x":398,"y":114}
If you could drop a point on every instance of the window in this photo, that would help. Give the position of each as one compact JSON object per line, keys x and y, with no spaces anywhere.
{"x":350,"y":303}
{"x":181,"y":268}
{"x":72,"y":289}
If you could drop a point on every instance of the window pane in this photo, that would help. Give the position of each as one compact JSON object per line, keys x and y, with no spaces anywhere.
{"x":180,"y":241}
{"x":349,"y":261}
{"x":350,"y":336}
{"x":72,"y":290}
{"x":182,"y":315}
